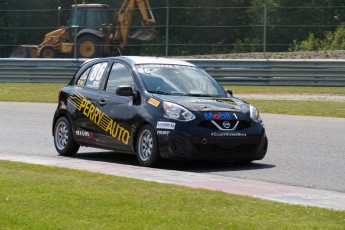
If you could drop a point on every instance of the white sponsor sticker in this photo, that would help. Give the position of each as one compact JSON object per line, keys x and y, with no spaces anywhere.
{"x":163,"y":133}
{"x":165,"y":125}
{"x":82,"y":133}
{"x":227,"y":134}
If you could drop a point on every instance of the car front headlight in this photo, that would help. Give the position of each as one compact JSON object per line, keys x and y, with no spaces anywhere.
{"x":177,"y":112}
{"x":254,"y":114}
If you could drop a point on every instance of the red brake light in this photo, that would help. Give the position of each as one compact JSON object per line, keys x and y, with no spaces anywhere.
{"x":59,"y":95}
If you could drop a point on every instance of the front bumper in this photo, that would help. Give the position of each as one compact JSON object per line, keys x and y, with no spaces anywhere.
{"x":247,"y":144}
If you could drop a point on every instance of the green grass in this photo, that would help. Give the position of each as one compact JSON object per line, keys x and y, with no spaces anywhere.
{"x":47,"y":92}
{"x":306,"y":108}
{"x":39,"y":197}
{"x":286,"y":89}
{"x":30,"y":92}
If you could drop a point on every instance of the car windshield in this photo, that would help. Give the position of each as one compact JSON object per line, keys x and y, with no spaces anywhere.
{"x":179,"y":80}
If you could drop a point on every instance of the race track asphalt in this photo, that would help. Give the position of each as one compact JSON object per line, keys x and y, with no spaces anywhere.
{"x":304,"y":164}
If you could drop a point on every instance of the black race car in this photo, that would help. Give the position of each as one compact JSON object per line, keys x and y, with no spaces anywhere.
{"x":156,"y":108}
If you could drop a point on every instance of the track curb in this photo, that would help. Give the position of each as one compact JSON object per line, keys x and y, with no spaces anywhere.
{"x":259,"y":189}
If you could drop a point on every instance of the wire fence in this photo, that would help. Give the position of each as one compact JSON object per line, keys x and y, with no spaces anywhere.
{"x":184,"y":31}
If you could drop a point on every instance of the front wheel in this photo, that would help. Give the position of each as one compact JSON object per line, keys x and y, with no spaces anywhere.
{"x":89,"y":47}
{"x":147,"y":149}
{"x":64,"y":142}
{"x":47,"y":52}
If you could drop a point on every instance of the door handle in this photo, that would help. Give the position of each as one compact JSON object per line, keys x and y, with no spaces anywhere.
{"x":102,"y":102}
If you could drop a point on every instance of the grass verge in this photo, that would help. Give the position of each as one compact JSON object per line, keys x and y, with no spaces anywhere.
{"x":30,"y":92}
{"x":39,"y":197}
{"x":287,"y":89}
{"x":306,"y":108}
{"x":47,"y":92}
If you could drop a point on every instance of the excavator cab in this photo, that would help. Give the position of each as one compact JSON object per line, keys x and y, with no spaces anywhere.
{"x":90,"y":16}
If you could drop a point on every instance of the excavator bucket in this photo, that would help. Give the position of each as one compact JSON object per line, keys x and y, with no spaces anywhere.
{"x":23,"y":51}
{"x":144,"y":34}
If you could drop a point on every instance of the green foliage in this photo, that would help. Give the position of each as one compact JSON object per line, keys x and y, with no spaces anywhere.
{"x":335,"y":40}
{"x":311,"y":44}
{"x":294,"y":20}
{"x":332,"y":41}
{"x":203,"y":27}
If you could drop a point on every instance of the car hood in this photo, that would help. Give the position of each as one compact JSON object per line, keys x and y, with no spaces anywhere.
{"x":206,"y":103}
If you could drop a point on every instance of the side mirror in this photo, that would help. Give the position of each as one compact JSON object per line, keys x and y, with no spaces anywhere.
{"x":229,"y":92}
{"x":125,"y":91}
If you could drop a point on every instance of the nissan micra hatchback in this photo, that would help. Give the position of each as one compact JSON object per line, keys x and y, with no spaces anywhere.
{"x":155,"y":108}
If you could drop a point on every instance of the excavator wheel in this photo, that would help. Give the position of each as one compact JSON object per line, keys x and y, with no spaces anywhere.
{"x":47,"y":52}
{"x":88,"y":47}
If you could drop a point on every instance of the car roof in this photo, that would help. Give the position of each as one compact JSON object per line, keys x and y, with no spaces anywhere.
{"x":139,"y":60}
{"x":156,"y":60}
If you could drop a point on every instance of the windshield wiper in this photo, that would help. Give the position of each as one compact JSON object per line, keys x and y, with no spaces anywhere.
{"x":158,"y":92}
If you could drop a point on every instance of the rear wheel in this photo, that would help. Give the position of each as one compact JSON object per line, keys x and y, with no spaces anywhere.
{"x":47,"y":52}
{"x":89,"y":47}
{"x":64,"y":142}
{"x":147,"y":149}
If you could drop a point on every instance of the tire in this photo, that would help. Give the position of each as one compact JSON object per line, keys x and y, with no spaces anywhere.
{"x":47,"y":52}
{"x":88,"y":47}
{"x":147,"y":148}
{"x":64,"y":142}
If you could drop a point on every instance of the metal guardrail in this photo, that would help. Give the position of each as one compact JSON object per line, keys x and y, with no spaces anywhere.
{"x":294,"y":72}
{"x":312,"y":72}
{"x":38,"y":70}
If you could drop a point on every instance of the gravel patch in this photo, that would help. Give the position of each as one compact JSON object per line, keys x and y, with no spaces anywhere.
{"x":293,"y":97}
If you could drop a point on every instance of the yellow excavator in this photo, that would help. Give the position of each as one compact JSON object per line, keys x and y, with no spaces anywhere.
{"x":90,"y":30}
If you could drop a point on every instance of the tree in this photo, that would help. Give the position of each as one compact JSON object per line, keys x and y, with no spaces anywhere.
{"x":22,"y":22}
{"x":290,"y":20}
{"x":200,"y":27}
{"x":332,"y":41}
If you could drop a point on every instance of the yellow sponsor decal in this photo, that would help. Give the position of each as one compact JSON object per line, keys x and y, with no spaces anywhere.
{"x":154,"y":102}
{"x":90,"y":111}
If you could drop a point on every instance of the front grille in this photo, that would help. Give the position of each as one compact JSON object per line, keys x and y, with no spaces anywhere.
{"x":209,"y":125}
{"x":214,"y":150}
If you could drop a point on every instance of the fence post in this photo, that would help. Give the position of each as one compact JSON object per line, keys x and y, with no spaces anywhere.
{"x":75,"y":30}
{"x":167,"y":30}
{"x":265,"y":30}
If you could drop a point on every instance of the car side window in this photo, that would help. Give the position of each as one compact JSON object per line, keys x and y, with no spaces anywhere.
{"x":119,"y":75}
{"x":95,"y":75}
{"x":82,"y":78}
